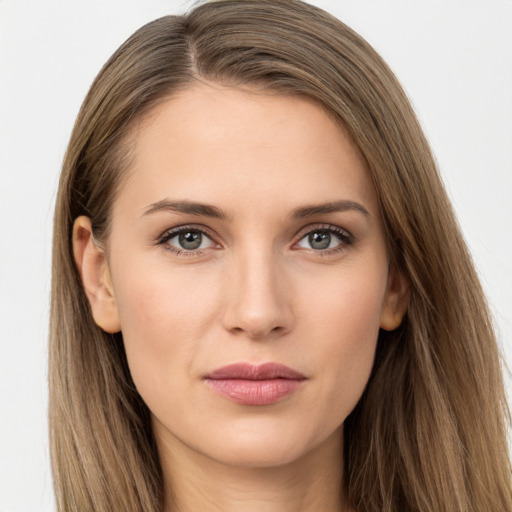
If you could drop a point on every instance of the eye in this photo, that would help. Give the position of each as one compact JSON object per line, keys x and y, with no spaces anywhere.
{"x":328,"y":239}
{"x":186,"y":239}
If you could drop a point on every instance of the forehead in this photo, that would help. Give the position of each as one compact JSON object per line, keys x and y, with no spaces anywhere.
{"x":214,"y":143}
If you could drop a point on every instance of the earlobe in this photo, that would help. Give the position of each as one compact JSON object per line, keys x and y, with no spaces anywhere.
{"x":396,"y":300}
{"x":93,"y":268}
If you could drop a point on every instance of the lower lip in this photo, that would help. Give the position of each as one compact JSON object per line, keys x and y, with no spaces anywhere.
{"x":255,"y":392}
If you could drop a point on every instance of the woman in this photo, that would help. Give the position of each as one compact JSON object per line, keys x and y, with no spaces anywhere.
{"x":261,"y":299}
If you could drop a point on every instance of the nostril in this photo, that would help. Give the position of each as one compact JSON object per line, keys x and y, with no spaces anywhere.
{"x":255,"y":332}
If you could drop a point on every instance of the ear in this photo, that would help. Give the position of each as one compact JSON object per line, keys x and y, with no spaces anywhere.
{"x":395,"y":300}
{"x":93,"y":268}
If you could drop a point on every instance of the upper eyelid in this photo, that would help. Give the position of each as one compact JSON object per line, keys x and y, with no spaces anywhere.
{"x":324,"y":227}
{"x":172,"y":232}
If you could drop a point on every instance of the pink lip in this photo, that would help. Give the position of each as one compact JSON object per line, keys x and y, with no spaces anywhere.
{"x":250,"y":384}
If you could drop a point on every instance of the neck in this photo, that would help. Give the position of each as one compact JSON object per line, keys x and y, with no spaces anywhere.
{"x":193,"y":481}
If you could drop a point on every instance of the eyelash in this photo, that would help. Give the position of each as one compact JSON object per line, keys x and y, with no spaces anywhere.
{"x":168,"y":235}
{"x":346,"y":239}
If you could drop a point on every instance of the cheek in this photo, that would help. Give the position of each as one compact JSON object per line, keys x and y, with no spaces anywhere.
{"x":164,"y":315}
{"x":345,"y":322}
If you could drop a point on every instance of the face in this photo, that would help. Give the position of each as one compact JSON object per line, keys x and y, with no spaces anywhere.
{"x":247,"y":270}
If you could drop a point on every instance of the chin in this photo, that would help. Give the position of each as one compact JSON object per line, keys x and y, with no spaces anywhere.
{"x":263,"y":454}
{"x":265,"y":446}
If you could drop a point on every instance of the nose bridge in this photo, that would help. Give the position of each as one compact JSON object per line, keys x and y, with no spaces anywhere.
{"x":259,"y":304}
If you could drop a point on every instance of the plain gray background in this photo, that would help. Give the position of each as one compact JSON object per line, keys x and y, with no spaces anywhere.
{"x":454,"y":58}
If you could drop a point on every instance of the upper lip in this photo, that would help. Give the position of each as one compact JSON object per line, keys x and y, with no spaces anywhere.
{"x":250,"y":371}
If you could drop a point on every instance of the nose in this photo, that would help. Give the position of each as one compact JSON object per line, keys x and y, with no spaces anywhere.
{"x":259,"y":302}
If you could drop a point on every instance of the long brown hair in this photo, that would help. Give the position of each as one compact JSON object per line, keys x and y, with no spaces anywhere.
{"x":429,"y":433}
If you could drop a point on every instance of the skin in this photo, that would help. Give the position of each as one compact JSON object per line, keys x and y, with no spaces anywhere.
{"x":257,"y":290}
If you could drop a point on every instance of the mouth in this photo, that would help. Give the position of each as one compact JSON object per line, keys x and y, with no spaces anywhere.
{"x":249,"y":384}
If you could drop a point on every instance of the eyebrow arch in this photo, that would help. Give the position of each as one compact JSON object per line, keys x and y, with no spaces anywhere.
{"x":342,"y":205}
{"x":189,"y":207}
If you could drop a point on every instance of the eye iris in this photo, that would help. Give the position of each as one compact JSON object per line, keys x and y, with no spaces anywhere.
{"x":320,"y":240}
{"x":190,"y":240}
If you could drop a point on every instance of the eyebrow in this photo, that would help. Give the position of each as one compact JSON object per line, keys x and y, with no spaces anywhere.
{"x":206,"y":210}
{"x":342,"y":205}
{"x":189,"y":207}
